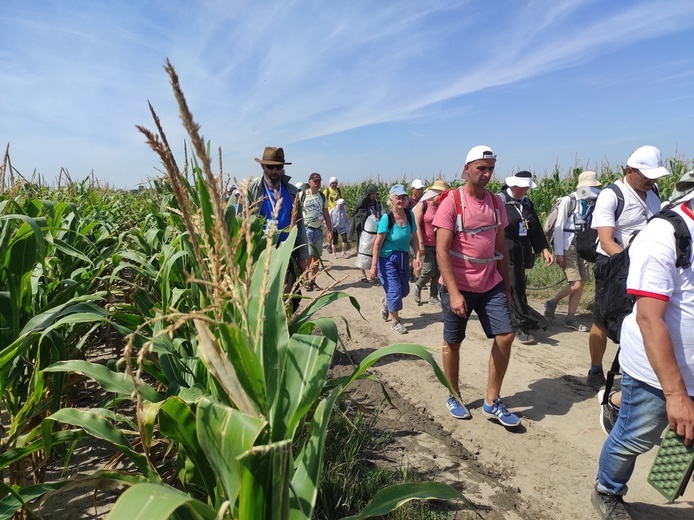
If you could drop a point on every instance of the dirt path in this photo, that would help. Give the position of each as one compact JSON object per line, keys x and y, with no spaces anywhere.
{"x":543,"y":470}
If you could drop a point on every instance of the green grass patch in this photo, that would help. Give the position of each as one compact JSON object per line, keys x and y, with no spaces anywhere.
{"x":350,"y":478}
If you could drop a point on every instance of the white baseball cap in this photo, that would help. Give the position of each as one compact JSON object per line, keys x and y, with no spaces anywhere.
{"x":479,"y":152}
{"x":417,"y":184}
{"x":340,"y":201}
{"x":647,"y":160}
{"x":332,"y":179}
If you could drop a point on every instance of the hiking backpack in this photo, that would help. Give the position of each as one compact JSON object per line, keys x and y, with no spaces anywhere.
{"x":302,"y":197}
{"x":617,"y":304}
{"x":587,"y":240}
{"x":551,"y":220}
{"x":391,"y":220}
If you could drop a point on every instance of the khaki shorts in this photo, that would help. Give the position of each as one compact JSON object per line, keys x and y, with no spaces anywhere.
{"x":575,"y":267}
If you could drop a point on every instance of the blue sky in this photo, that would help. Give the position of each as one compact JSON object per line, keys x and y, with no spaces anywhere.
{"x":357,"y":89}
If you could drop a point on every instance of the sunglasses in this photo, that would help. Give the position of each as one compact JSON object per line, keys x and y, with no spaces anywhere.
{"x":643,"y":176}
{"x":274,"y":166}
{"x":316,"y":180}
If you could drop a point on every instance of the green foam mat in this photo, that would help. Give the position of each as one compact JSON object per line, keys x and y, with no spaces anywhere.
{"x":672,"y":466}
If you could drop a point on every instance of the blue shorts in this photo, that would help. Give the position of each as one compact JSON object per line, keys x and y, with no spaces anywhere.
{"x":491,"y":309}
{"x":314,"y":237}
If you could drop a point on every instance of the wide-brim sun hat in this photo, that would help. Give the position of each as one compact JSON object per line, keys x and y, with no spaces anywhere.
{"x":272,"y":155}
{"x":649,"y":162}
{"x":397,"y":190}
{"x":435,"y":189}
{"x":588,"y":178}
{"x":522,"y":179}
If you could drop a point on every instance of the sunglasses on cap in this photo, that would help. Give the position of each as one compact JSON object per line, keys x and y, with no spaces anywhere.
{"x":274,"y":166}
{"x":316,"y":179}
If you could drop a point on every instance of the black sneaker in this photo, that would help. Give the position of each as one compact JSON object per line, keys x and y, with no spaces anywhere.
{"x":608,"y":412}
{"x":610,"y":507}
{"x":596,"y":380}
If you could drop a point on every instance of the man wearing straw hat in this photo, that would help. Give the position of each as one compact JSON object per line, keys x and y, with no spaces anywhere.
{"x":657,"y":353}
{"x":424,"y":213}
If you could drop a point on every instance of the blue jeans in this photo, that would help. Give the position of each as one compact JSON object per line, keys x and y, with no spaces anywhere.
{"x":642,"y":419}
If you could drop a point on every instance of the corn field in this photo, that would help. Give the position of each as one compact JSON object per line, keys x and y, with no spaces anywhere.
{"x":217,"y":397}
{"x":549,"y":187}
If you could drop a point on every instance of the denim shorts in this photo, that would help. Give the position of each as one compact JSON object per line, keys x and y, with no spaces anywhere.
{"x":491,"y":308}
{"x":314,"y":237}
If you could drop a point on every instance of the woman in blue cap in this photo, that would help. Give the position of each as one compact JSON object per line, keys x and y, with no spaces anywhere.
{"x":391,"y":253}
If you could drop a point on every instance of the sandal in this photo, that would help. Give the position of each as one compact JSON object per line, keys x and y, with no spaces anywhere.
{"x":363,"y":279}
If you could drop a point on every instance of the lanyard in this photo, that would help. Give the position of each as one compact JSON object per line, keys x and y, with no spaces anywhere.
{"x":273,"y":202}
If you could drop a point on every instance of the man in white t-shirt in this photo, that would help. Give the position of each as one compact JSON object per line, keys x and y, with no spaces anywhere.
{"x":617,"y":221}
{"x":657,"y":358}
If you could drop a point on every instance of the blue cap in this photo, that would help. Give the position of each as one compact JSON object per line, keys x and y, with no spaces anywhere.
{"x":397,"y":190}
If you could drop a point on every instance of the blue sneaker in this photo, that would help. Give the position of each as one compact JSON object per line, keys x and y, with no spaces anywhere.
{"x":457,"y":409}
{"x":498,"y":411}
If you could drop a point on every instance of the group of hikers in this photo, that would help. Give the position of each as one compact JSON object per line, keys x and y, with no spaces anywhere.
{"x":472,"y":248}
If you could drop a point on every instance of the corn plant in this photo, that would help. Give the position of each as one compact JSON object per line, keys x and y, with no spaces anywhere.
{"x":248,"y":421}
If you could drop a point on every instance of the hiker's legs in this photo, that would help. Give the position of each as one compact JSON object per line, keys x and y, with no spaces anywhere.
{"x":495,"y":318}
{"x":498,"y":363}
{"x":562,"y":293}
{"x":642,"y":419}
{"x":597,"y":344}
{"x":451,"y":363}
{"x":576,"y":289}
{"x":453,"y":335}
{"x":334,"y":241}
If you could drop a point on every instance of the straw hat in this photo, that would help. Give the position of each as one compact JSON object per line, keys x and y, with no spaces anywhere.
{"x":435,"y":189}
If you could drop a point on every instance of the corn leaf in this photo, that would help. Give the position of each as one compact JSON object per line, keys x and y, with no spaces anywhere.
{"x":157,"y":502}
{"x":392,"y":497}
{"x":99,"y":427}
{"x":309,"y":461}
{"x":246,"y":365}
{"x":225,"y":434}
{"x":302,"y":381}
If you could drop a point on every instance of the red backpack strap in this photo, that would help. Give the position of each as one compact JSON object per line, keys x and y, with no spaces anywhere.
{"x":459,"y":199}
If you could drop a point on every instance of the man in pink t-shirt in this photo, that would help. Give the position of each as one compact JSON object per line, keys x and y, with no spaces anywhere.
{"x":473,"y":259}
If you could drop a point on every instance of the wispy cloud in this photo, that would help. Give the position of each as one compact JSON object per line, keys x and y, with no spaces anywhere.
{"x":289,"y":71}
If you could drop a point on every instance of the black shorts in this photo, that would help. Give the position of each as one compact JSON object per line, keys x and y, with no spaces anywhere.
{"x":598,"y":302}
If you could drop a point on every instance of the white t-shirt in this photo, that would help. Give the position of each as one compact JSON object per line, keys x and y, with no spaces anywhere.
{"x":634,"y":216}
{"x":652,"y":273}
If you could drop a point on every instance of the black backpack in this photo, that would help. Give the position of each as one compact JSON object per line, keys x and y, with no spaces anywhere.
{"x":410,"y":220}
{"x":617,"y":304}
{"x":587,"y":240}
